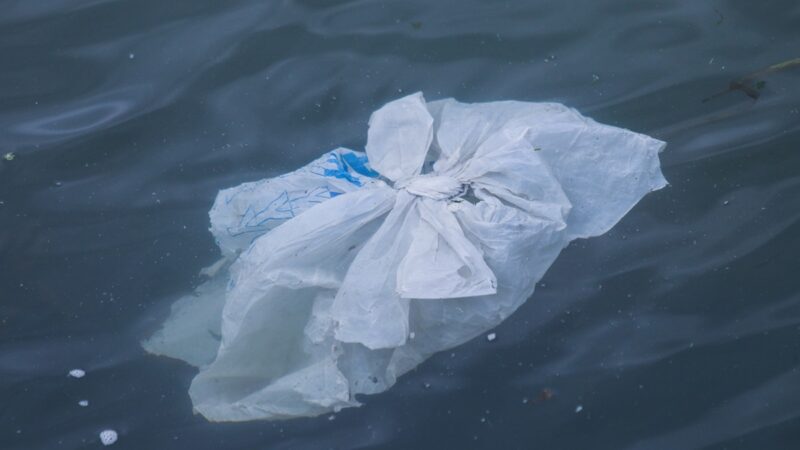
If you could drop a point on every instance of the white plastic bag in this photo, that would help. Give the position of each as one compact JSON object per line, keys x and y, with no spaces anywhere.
{"x":439,"y":232}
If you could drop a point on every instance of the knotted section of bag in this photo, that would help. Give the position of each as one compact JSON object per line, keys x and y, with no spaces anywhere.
{"x":437,"y":187}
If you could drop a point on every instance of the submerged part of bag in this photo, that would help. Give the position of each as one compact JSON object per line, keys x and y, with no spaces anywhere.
{"x":347,"y":273}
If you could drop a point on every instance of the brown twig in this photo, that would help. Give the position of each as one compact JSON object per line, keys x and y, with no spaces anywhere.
{"x":752,"y":84}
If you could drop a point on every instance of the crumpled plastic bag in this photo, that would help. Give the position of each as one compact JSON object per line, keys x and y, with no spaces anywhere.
{"x":347,"y":273}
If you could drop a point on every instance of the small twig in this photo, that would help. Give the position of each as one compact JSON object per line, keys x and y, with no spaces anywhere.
{"x":752,"y":84}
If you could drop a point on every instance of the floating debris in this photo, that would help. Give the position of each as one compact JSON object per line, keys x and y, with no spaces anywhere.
{"x":753,"y":84}
{"x":595,"y":78}
{"x":83,"y":403}
{"x":491,"y":336}
{"x":545,"y":395}
{"x":578,"y":409}
{"x":77,"y":373}
{"x":9,"y":156}
{"x":108,"y":437}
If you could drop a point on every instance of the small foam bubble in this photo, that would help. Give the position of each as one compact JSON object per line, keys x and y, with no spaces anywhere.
{"x":108,"y":437}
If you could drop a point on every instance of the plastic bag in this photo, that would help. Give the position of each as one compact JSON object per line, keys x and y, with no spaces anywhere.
{"x":349,"y":272}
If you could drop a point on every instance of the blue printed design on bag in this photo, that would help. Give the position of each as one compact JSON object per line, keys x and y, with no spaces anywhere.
{"x":283,"y":207}
{"x":359,"y":164}
{"x":346,"y":166}
{"x":262,"y":213}
{"x":340,"y":171}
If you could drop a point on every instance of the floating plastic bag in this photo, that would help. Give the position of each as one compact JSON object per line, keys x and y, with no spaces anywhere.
{"x":347,"y":273}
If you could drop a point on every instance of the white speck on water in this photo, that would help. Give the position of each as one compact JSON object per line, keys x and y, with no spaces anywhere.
{"x":524,"y":400}
{"x":726,"y":202}
{"x":108,"y":437}
{"x":131,"y":56}
{"x":411,"y":335}
{"x":332,"y":417}
{"x":77,"y":373}
{"x":83,"y":403}
{"x":578,"y":408}
{"x":491,"y":336}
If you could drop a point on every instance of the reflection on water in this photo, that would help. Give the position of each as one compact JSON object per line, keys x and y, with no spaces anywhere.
{"x":679,"y":329}
{"x":87,"y":119}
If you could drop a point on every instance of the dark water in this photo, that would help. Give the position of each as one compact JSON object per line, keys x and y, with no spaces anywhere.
{"x":680,"y":329}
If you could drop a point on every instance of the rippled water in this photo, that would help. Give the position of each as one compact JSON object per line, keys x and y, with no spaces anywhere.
{"x":677,"y":330}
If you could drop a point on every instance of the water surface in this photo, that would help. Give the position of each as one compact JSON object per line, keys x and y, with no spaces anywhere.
{"x":677,"y":330}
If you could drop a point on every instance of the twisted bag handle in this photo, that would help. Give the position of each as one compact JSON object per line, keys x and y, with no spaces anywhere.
{"x":420,"y":250}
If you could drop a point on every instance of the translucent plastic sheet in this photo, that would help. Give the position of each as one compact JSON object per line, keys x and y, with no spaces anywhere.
{"x":345,"y":274}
